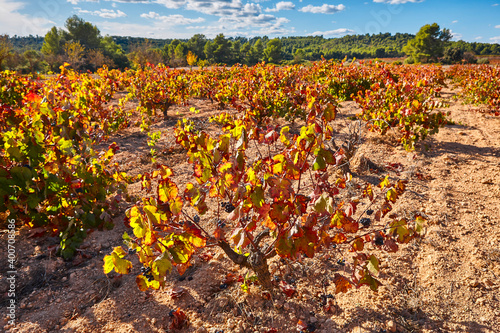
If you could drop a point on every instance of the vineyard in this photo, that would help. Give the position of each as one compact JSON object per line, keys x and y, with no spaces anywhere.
{"x":336,"y":197}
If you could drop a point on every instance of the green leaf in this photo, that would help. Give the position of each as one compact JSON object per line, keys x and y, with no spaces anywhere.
{"x":151,"y":213}
{"x":321,"y":203}
{"x":392,"y":195}
{"x":15,"y":152}
{"x":161,"y":266}
{"x":330,"y":112}
{"x":181,"y":252}
{"x":167,"y":190}
{"x":419,"y":225}
{"x":319,"y":163}
{"x":257,"y":196}
{"x":373,"y":265}
{"x":66,"y":146}
{"x":370,"y":281}
{"x":137,"y":222}
{"x":108,"y":264}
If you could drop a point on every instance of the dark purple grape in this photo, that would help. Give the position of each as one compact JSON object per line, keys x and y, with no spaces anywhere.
{"x":365,"y":222}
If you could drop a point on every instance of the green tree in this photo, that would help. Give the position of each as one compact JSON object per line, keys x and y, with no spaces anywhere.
{"x":299,"y":56}
{"x":452,"y":55}
{"x":428,"y":45}
{"x":244,"y":51}
{"x":115,"y":52}
{"x":272,"y":52}
{"x":222,"y":50}
{"x":196,"y":45}
{"x":255,"y":54}
{"x":52,"y":43}
{"x":34,"y":60}
{"x":87,"y":34}
{"x":208,"y":49}
{"x":171,"y":48}
{"x":5,"y":48}
{"x":236,"y":52}
{"x":179,"y":56}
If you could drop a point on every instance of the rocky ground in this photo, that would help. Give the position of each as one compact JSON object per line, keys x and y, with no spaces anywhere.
{"x":447,"y":281}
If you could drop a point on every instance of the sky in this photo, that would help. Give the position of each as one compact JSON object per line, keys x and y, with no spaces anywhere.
{"x":468,"y":20}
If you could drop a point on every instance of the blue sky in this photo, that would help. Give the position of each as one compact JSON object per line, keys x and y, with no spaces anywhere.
{"x":468,"y":20}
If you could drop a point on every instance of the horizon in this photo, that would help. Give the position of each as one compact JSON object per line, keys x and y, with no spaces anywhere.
{"x":169,"y":19}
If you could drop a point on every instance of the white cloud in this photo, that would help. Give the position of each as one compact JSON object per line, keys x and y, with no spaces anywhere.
{"x":495,"y":39}
{"x":336,"y":32}
{"x":171,"y":3}
{"x":497,"y":26}
{"x":455,"y":21}
{"x":15,"y":23}
{"x":104,"y":13}
{"x":494,"y":5}
{"x":282,"y":5}
{"x":397,"y":2}
{"x":75,"y":2}
{"x":456,"y":35}
{"x":172,"y":19}
{"x":224,"y":8}
{"x":478,"y":37}
{"x":324,"y":9}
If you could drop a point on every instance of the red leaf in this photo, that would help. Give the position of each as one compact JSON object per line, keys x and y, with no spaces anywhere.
{"x":301,"y":326}
{"x":207,"y":256}
{"x":288,"y":289}
{"x":179,"y":319}
{"x":342,"y":285}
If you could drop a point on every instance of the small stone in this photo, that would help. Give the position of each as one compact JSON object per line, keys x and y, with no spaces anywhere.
{"x":64,"y":279}
{"x":391,"y":326}
{"x":474,"y":284}
{"x":72,"y":276}
{"x":313,"y":320}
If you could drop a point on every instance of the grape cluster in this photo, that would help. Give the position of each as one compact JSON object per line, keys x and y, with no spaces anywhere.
{"x":146,"y":271}
{"x":196,"y":219}
{"x":132,"y":251}
{"x":311,"y":327}
{"x":341,"y":262}
{"x":365,"y":221}
{"x":379,"y":240}
{"x":369,"y":212}
{"x":228,"y":207}
{"x":324,"y":298}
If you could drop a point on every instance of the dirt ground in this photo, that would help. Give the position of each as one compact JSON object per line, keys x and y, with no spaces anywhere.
{"x":447,"y":281}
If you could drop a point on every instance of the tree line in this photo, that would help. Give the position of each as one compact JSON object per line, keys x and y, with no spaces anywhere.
{"x":81,"y":45}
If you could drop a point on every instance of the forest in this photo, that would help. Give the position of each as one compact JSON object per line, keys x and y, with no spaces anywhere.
{"x":82,"y":45}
